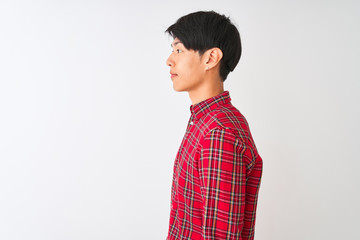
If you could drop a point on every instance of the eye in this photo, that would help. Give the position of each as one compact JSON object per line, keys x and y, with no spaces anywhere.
{"x":178,"y":50}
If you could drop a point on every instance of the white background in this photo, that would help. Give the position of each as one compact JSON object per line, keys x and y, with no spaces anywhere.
{"x":90,"y":124}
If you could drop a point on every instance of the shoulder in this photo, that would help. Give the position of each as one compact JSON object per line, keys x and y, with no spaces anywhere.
{"x":220,"y":138}
{"x":228,"y":119}
{"x":229,"y":133}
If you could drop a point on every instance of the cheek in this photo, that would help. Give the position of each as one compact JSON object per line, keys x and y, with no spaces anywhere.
{"x":190,"y":68}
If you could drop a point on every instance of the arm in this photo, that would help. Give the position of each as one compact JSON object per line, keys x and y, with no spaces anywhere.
{"x":222,"y":172}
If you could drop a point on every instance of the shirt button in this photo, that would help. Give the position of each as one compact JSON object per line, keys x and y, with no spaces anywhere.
{"x":191,"y":123}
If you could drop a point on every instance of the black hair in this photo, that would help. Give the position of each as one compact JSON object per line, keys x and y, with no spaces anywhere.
{"x":201,"y":31}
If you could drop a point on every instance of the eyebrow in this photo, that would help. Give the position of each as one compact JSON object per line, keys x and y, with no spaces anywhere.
{"x":175,"y":43}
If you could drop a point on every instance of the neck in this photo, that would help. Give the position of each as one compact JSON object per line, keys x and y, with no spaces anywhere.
{"x":207,"y":91}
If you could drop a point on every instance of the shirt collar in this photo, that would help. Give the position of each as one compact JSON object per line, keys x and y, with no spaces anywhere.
{"x":200,"y":109}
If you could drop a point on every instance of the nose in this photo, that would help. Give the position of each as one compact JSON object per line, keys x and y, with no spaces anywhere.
{"x":170,"y":61}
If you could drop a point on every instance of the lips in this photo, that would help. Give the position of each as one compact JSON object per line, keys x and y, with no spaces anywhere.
{"x":172,"y":75}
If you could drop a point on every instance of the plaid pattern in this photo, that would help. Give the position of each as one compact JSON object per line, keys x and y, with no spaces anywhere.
{"x":217,"y":174}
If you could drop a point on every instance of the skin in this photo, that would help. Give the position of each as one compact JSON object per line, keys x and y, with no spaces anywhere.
{"x":195,"y":74}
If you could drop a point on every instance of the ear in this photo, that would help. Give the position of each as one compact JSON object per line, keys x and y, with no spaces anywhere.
{"x":213,"y":57}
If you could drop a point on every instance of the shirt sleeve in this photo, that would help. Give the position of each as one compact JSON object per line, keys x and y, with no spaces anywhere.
{"x":222,"y":172}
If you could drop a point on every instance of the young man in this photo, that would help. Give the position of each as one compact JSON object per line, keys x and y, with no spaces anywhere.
{"x":217,"y":169}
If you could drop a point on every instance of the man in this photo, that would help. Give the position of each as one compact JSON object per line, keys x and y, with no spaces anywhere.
{"x":217,"y":169}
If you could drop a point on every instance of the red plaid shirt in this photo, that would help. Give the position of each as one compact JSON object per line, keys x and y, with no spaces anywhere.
{"x":217,"y":174}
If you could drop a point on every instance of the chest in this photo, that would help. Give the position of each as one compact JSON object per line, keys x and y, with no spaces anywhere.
{"x":189,"y":152}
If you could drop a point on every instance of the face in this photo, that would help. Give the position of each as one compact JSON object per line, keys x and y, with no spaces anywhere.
{"x":186,"y":67}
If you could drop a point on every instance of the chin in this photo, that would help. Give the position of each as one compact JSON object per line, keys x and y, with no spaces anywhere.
{"x":178,"y":88}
